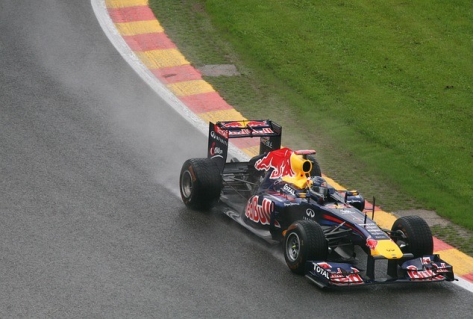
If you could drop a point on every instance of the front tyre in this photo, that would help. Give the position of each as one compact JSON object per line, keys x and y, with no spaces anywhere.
{"x":304,"y":240}
{"x":200,"y":183}
{"x":413,"y":235}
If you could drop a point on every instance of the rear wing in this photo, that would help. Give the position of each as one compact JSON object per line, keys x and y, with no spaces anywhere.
{"x":268,"y":131}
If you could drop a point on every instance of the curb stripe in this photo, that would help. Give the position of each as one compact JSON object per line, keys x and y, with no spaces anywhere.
{"x":251,"y":151}
{"x":219,"y":115}
{"x":468,"y":277}
{"x":138,"y":27}
{"x":156,"y":59}
{"x":145,"y":36}
{"x":205,"y":102}
{"x":149,"y":41}
{"x":457,"y":260}
{"x":190,"y":87}
{"x":125,"y":3}
{"x":178,"y":73}
{"x":440,"y":245}
{"x":131,"y":14}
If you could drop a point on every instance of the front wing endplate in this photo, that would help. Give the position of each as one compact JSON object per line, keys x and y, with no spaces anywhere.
{"x":430,"y":268}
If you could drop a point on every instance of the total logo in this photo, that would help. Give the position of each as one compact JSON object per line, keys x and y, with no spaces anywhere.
{"x":346,"y":211}
{"x":289,"y":189}
{"x":321,"y":271}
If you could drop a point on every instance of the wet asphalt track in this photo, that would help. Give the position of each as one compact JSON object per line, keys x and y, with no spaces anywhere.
{"x":90,"y":222}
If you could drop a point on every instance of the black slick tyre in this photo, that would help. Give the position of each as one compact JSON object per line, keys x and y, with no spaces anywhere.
{"x":304,"y":240}
{"x":316,"y":169}
{"x":413,"y":235}
{"x":200,"y":183}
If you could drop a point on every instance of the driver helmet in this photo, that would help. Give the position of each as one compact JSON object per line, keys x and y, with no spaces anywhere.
{"x":320,"y":186}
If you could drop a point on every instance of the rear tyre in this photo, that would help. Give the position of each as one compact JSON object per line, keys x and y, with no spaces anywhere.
{"x":304,"y":240}
{"x":413,"y":235}
{"x":200,"y":183}
{"x":316,"y":170}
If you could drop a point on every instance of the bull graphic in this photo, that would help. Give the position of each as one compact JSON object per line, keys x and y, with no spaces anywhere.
{"x":260,"y":213}
{"x":279,"y":161}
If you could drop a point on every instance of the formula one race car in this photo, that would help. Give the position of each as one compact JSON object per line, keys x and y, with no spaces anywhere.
{"x":281,"y":196}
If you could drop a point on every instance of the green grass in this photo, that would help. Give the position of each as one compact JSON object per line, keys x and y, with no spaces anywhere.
{"x":383,"y":90}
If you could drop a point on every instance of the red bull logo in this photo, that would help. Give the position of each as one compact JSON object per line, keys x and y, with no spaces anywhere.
{"x":257,"y":123}
{"x":251,"y":132}
{"x":371,"y":243}
{"x":221,"y":131}
{"x":245,"y":124}
{"x":279,"y":161}
{"x":260,"y":213}
{"x":234,"y":124}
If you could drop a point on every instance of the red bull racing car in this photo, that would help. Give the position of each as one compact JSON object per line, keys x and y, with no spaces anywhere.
{"x":281,"y":196}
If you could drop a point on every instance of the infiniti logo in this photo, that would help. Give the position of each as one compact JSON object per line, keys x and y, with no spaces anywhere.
{"x":218,"y":138}
{"x":310,"y":212}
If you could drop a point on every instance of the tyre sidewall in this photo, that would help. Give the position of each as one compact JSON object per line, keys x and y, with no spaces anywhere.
{"x":316,"y":169}
{"x":313,"y":245}
{"x":205,"y":183}
{"x":418,"y":233}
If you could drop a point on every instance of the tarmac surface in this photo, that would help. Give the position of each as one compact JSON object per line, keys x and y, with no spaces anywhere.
{"x":91,"y":222}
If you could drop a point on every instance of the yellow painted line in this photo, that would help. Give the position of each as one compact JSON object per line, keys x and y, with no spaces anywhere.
{"x":156,"y":59}
{"x":221,"y":115}
{"x":333,"y":183}
{"x":139,"y":27}
{"x":462,"y":264}
{"x":251,"y":151}
{"x":383,"y":219}
{"x":185,"y":88}
{"x":125,"y":3}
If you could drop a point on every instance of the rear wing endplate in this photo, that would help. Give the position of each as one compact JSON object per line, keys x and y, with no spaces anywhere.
{"x":268,"y":131}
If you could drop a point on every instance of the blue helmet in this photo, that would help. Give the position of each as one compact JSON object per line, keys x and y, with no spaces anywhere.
{"x":320,"y":186}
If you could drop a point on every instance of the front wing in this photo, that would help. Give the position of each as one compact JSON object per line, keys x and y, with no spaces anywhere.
{"x":429,"y":268}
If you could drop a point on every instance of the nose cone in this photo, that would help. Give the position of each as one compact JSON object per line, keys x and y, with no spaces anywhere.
{"x":385,"y":248}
